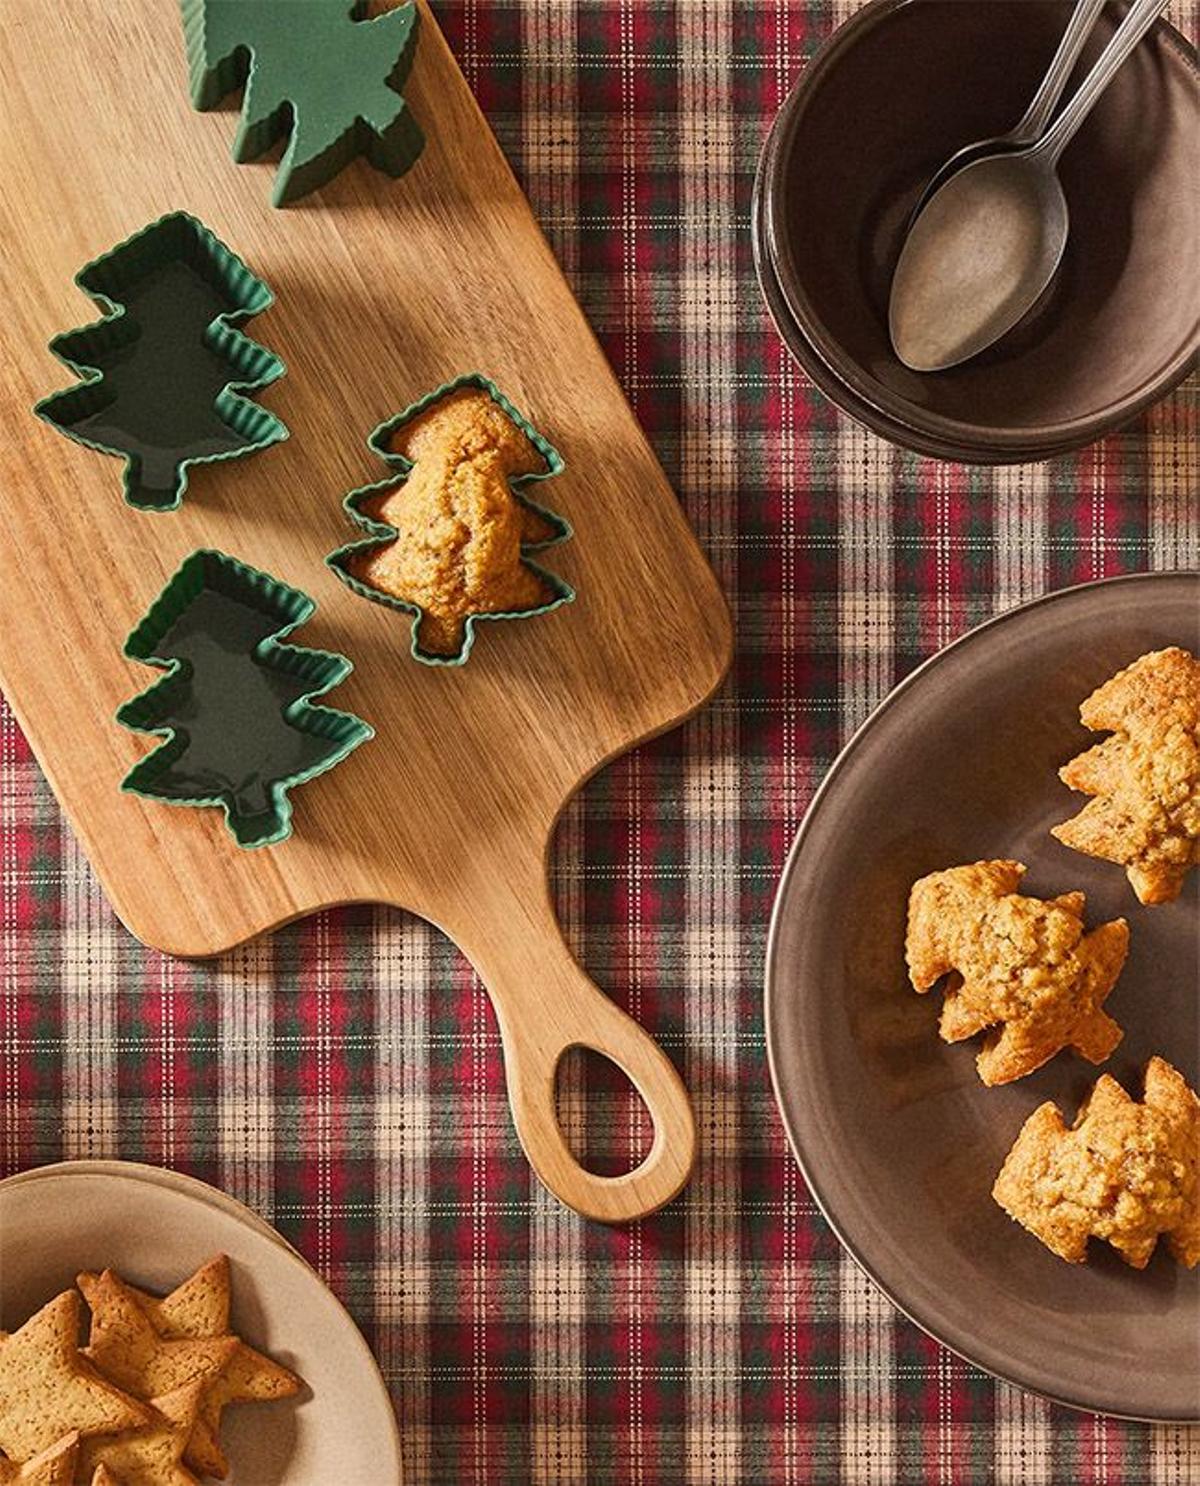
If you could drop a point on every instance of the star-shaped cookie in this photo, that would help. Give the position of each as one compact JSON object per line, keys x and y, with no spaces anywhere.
{"x":153,"y":1454}
{"x":1125,"y":1172}
{"x":52,"y":1467}
{"x":1024,"y":969}
{"x":198,"y":1309}
{"x":124,"y":1345}
{"x":47,"y":1389}
{"x":1145,"y":777}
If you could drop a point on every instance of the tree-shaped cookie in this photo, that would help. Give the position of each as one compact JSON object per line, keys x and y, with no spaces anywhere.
{"x":451,"y":537}
{"x":1021,"y":968}
{"x":1125,"y":1172}
{"x":320,"y":72}
{"x":166,"y":370}
{"x":236,"y":707}
{"x":1145,"y":777}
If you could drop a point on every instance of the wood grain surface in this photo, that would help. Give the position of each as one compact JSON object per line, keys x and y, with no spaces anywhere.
{"x":384,"y":290}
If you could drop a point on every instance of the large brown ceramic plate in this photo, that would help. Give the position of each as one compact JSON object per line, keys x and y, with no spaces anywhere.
{"x":897,"y":1138}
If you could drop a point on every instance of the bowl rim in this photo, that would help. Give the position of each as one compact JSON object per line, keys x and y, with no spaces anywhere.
{"x":847,"y":401}
{"x":995,"y":445}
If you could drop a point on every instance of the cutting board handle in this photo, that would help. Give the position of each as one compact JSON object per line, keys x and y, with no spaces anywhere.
{"x":545,"y":1004}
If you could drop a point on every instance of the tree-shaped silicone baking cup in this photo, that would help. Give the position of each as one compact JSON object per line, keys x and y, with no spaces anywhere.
{"x":321,"y":74}
{"x":494,"y":486}
{"x":235,"y":709}
{"x":166,"y":371}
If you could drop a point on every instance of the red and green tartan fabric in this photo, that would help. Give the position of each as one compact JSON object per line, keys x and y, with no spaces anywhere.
{"x":344,"y":1076}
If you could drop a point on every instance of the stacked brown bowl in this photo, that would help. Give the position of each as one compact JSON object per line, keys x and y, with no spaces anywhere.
{"x":890,"y":97}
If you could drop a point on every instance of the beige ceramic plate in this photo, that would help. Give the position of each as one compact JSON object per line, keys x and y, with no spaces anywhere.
{"x":898,"y":1140}
{"x":155,"y":1227}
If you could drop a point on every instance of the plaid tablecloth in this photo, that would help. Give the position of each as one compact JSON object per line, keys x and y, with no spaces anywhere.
{"x":344,"y":1076}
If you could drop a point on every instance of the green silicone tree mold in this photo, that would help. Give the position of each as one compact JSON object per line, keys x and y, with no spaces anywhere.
{"x":319,"y":71}
{"x":235,"y":708}
{"x":165,"y":371}
{"x":542,"y":529}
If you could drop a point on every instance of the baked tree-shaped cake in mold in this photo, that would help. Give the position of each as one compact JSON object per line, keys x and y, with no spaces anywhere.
{"x":165,"y":371}
{"x":1126,"y":1172}
{"x":321,"y":74}
{"x":451,"y":535}
{"x":235,"y":709}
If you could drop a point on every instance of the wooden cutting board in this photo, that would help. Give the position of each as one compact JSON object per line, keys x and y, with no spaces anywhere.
{"x":384,"y":290}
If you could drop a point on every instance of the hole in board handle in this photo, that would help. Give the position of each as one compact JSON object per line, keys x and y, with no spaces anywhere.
{"x":602,"y":1116}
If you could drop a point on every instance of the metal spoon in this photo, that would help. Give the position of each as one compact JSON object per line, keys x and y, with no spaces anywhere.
{"x":1036,"y":116}
{"x":989,"y":242}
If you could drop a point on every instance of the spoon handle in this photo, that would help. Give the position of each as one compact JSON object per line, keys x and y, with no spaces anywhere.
{"x":1084,"y":16}
{"x":1140,"y":16}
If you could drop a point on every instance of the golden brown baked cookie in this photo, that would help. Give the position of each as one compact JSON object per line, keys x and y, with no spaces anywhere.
{"x":1024,"y":969}
{"x":124,"y":1345}
{"x":1125,"y":1172}
{"x":198,"y":1309}
{"x":459,"y":526}
{"x":48,"y":1390}
{"x":1145,"y":777}
{"x":52,"y":1467}
{"x":153,"y":1454}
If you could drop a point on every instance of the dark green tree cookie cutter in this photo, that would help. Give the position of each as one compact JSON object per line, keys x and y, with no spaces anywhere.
{"x":320,"y":71}
{"x":164,"y":371}
{"x":236,"y":706}
{"x":381,"y":534}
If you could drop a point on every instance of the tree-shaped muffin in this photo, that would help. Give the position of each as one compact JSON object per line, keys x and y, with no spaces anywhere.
{"x":1021,"y":969}
{"x":166,"y":369}
{"x":1145,"y":777}
{"x":451,"y":537}
{"x":236,"y":706}
{"x":1126,"y":1171}
{"x":322,"y":74}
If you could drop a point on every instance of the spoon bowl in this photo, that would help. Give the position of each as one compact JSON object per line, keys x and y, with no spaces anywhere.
{"x":979,"y":256}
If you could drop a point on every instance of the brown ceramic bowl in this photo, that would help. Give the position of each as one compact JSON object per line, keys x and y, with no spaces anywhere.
{"x":898,"y":1139}
{"x":896,"y":91}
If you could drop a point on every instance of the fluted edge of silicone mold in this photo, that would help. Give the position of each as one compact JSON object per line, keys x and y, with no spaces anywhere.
{"x":325,"y":668}
{"x":258,"y":367}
